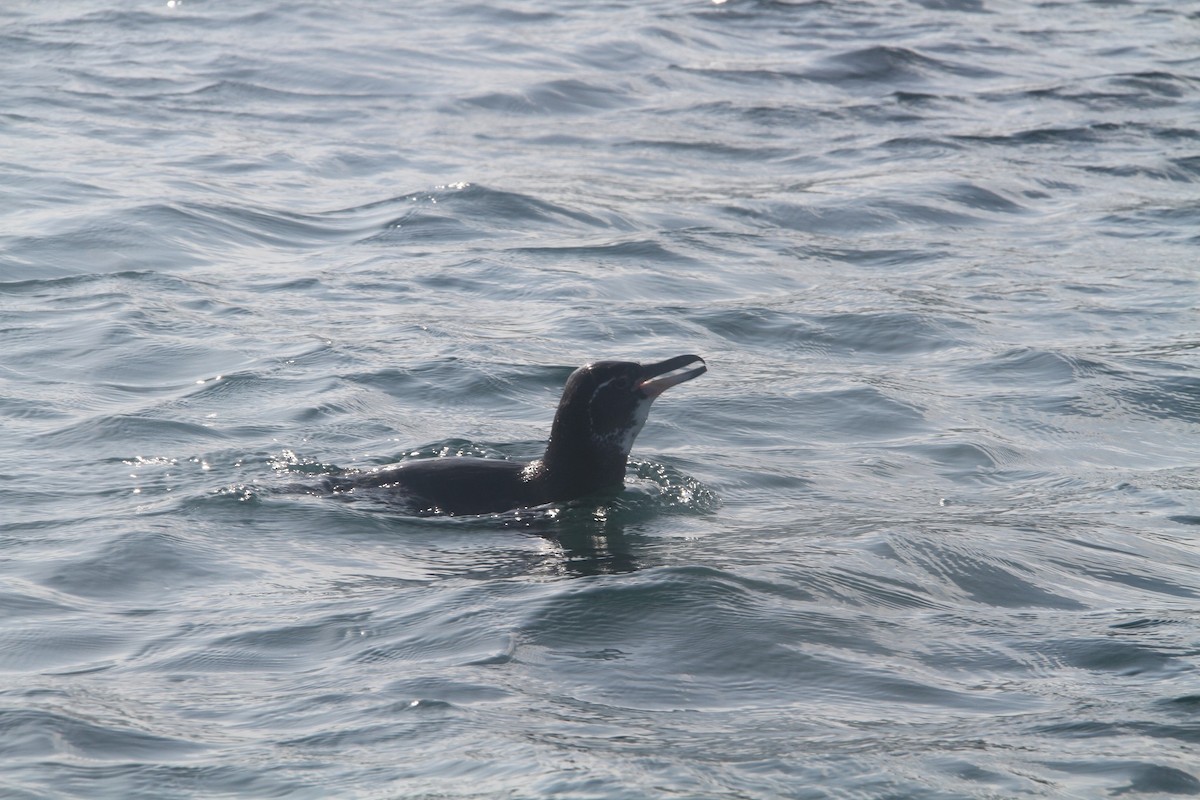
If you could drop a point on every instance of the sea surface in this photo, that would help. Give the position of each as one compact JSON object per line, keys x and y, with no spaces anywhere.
{"x":929,"y":527}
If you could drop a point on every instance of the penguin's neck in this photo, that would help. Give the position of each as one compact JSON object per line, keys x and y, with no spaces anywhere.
{"x":576,"y":464}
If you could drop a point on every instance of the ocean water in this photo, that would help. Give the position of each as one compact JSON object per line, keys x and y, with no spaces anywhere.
{"x":929,"y":527}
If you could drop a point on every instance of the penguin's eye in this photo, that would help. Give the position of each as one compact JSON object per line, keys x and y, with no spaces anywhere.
{"x":622,"y":383}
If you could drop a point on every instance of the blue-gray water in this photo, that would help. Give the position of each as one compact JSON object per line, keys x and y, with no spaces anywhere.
{"x":928,"y":528}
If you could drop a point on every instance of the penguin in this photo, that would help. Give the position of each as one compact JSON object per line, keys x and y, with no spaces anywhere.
{"x":603,"y":408}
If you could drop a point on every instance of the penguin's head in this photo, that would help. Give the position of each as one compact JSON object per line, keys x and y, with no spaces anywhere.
{"x":605,"y":405}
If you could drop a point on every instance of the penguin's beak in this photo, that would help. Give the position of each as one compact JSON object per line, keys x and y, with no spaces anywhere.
{"x":657,"y":378}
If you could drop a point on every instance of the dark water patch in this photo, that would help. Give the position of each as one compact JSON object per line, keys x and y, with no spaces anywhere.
{"x":20,"y":604}
{"x":1183,"y":704}
{"x":1124,"y":574}
{"x":1158,"y":396}
{"x":873,"y":333}
{"x":864,"y":589}
{"x":65,"y":291}
{"x":993,"y":581}
{"x":1088,"y":729}
{"x":892,"y":333}
{"x":486,"y":202}
{"x":1181,"y":170}
{"x":1025,"y":366}
{"x":32,"y":187}
{"x":162,"y":365}
{"x":705,"y":149}
{"x":636,"y":252}
{"x":861,"y":413}
{"x":419,"y":226}
{"x":331,"y":634}
{"x":921,"y":147}
{"x":755,"y":77}
{"x":1174,"y":222}
{"x":814,"y":219}
{"x":1158,"y":778}
{"x":879,"y":214}
{"x":549,"y":98}
{"x":889,"y":65}
{"x":443,"y":689}
{"x":601,"y":608}
{"x":466,"y":212}
{"x":47,"y":734}
{"x":981,"y":198}
{"x":32,"y":412}
{"x":239,"y":93}
{"x":1160,"y":83}
{"x":1173,"y":134}
{"x":248,"y":99}
{"x":63,"y":647}
{"x":963,"y":460}
{"x":923,"y":99}
{"x":1186,"y":174}
{"x":503,"y":16}
{"x":246,"y":226}
{"x":130,"y":84}
{"x":1109,"y":655}
{"x":33,"y":495}
{"x":883,"y":257}
{"x":1079,"y":135}
{"x":1144,"y":623}
{"x":1142,"y":776}
{"x":96,"y":247}
{"x":230,"y":661}
{"x":969,"y":6}
{"x":1104,"y":97}
{"x":453,"y":634}
{"x":263,"y":398}
{"x":389,"y":733}
{"x":138,"y":565}
{"x":104,"y":19}
{"x":126,"y":427}
{"x":801,"y":650}
{"x":496,"y":283}
{"x":168,"y":781}
{"x":453,"y":382}
{"x":769,"y":12}
{"x":761,"y":116}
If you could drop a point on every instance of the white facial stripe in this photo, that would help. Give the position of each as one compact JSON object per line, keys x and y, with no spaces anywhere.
{"x":639,"y":419}
{"x":605,"y":383}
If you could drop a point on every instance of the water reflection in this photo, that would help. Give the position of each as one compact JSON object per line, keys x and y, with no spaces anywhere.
{"x":600,"y":547}
{"x":585,"y":537}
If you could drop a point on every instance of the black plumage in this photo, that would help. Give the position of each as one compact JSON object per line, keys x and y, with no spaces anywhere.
{"x":603,"y":407}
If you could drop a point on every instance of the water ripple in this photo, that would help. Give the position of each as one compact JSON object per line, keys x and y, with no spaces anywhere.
{"x":926,"y":528}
